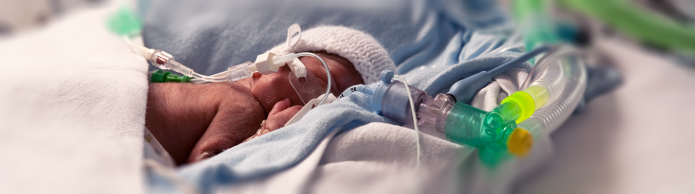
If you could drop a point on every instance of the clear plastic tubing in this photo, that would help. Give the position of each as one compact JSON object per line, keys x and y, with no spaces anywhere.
{"x":246,"y":69}
{"x":546,"y":80}
{"x":549,"y":72}
{"x":166,"y":61}
{"x":551,"y":79}
{"x":550,"y":117}
{"x":462,"y":123}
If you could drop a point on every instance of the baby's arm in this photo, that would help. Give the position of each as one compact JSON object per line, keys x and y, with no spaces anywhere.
{"x":196,"y":121}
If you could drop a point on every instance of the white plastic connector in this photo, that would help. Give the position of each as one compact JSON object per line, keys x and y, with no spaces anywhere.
{"x":241,"y":71}
{"x":281,"y":60}
{"x":293,"y":62}
{"x":268,"y":63}
{"x":264,"y":63}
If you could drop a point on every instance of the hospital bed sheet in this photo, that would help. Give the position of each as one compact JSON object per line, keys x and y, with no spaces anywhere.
{"x":374,"y":158}
{"x":209,"y":37}
{"x":72,"y":108}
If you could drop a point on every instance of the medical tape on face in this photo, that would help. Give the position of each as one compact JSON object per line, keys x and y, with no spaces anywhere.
{"x":308,"y":87}
{"x":298,"y":68}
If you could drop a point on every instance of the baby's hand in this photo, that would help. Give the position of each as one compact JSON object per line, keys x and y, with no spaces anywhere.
{"x":277,"y":118}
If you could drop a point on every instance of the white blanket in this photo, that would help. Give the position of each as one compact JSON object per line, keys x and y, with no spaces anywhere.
{"x":72,"y":109}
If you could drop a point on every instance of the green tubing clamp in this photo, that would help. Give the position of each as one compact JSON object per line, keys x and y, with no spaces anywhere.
{"x":159,"y":76}
{"x":638,"y":23}
{"x":125,"y":22}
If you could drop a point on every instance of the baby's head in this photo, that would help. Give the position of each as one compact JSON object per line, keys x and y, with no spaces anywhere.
{"x":352,"y":56}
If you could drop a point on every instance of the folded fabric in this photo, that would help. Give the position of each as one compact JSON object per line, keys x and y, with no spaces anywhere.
{"x":211,"y":36}
{"x":72,"y":108}
{"x":287,"y":146}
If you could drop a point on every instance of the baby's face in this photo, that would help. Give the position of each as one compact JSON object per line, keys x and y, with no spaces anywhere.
{"x":272,"y":88}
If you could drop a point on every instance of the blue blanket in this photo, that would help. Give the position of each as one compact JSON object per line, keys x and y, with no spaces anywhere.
{"x":434,"y":43}
{"x":211,"y":35}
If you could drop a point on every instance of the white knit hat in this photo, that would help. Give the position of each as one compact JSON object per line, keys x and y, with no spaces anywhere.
{"x":363,"y":51}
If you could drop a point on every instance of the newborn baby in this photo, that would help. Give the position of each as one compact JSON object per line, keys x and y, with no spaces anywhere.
{"x":193,"y":122}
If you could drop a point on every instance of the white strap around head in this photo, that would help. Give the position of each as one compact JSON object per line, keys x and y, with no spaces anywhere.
{"x":263,"y":61}
{"x":291,"y":40}
{"x":297,"y":66}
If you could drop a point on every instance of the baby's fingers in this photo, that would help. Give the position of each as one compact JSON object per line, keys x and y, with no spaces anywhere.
{"x":278,"y":120}
{"x":280,"y":106}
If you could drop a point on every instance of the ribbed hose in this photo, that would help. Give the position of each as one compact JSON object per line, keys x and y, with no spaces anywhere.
{"x":549,"y":73}
{"x":547,"y":119}
{"x":553,"y":80}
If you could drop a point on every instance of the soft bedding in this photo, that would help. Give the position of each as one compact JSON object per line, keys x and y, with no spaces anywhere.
{"x":73,"y":105}
{"x":371,"y":158}
{"x":434,"y":46}
{"x":211,"y":36}
{"x":380,"y":158}
{"x":72,"y":109}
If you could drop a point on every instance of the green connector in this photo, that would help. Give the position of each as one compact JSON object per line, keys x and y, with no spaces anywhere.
{"x":537,"y":28}
{"x":474,"y":127}
{"x":125,"y":22}
{"x":159,"y":76}
{"x":487,"y":131}
{"x":517,"y":107}
{"x":493,"y":155}
{"x":638,"y":23}
{"x":522,"y":104}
